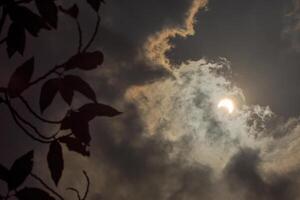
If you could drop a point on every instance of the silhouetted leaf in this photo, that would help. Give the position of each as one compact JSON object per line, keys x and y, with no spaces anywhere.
{"x":3,"y":2}
{"x":95,"y":4}
{"x":15,"y":39}
{"x":81,"y":131}
{"x":19,"y":171}
{"x":85,"y":61}
{"x":4,"y":173}
{"x":31,"y":21}
{"x":48,"y":11}
{"x":79,"y":126}
{"x":91,"y":110}
{"x":55,"y":161}
{"x":66,"y":122}
{"x":72,"y":11}
{"x":33,"y":194}
{"x":81,"y":86}
{"x":48,"y":92}
{"x":66,"y":92}
{"x":74,"y":144}
{"x":20,"y":78}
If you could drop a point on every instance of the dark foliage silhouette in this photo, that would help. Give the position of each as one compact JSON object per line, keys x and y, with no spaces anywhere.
{"x":73,"y":131}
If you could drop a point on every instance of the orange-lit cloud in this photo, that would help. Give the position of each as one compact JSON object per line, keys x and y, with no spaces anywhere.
{"x":159,"y":44}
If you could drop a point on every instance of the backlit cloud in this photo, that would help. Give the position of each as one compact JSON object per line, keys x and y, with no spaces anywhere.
{"x":159,"y":43}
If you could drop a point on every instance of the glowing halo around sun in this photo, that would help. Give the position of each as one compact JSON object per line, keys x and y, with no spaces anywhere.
{"x":226,"y":103}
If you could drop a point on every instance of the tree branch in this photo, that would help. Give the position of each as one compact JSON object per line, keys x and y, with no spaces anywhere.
{"x":87,"y":186}
{"x":46,"y":186}
{"x":12,"y":111}
{"x":76,"y":191}
{"x":32,"y":126}
{"x":35,"y":114}
{"x":94,"y":34}
{"x":52,"y":71}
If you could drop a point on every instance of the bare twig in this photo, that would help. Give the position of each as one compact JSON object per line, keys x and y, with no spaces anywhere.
{"x":13,"y":113}
{"x":52,"y":71}
{"x":32,"y":126}
{"x":35,"y":114}
{"x":94,"y":34}
{"x":46,"y":186}
{"x":76,"y":191}
{"x":87,"y":186}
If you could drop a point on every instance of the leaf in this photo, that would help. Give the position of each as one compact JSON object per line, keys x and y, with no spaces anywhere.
{"x":95,"y":4}
{"x":48,"y":11}
{"x":33,"y":194}
{"x":66,"y":92}
{"x":15,"y":39}
{"x":48,"y":92}
{"x":81,"y":86}
{"x":91,"y":110}
{"x":74,"y":144}
{"x":81,"y":131}
{"x":66,"y":122}
{"x":19,"y":171}
{"x":85,"y":61}
{"x":31,"y":21}
{"x":55,"y":161}
{"x":3,"y":2}
{"x":79,"y":126}
{"x":20,"y":78}
{"x":72,"y":11}
{"x":4,"y":173}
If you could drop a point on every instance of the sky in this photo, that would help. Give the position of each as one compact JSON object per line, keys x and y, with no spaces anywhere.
{"x":167,"y":65}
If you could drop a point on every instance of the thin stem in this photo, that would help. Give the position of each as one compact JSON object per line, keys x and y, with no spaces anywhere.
{"x":94,"y":34}
{"x":87,"y":186}
{"x":12,"y":111}
{"x":76,"y":191}
{"x":44,"y":76}
{"x":35,"y":114}
{"x":46,"y":186}
{"x":79,"y":36}
{"x":32,"y":126}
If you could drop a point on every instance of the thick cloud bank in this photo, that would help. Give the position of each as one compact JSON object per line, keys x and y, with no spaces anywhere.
{"x":252,"y":153}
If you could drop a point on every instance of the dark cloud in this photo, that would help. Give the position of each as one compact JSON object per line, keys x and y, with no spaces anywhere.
{"x":132,"y":165}
{"x":244,"y":177}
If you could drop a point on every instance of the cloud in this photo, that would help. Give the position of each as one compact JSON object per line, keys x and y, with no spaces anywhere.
{"x":245,"y":153}
{"x":291,"y":28}
{"x":158,"y":44}
{"x":245,"y":179}
{"x":187,"y":106}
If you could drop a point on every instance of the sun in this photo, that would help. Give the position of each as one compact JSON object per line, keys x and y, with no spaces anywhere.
{"x":226,"y":103}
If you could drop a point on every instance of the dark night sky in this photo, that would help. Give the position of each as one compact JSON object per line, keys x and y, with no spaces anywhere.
{"x":170,"y":142}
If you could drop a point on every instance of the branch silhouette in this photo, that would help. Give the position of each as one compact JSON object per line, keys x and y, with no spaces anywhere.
{"x":73,"y":130}
{"x":36,"y":115}
{"x":36,"y":177}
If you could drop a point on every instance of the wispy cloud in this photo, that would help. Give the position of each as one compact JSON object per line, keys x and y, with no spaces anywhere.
{"x":159,"y":44}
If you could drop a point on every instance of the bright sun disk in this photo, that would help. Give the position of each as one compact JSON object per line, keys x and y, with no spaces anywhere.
{"x":227,"y":104}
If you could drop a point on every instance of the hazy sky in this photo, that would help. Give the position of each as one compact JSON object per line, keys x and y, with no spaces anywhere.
{"x":167,"y":65}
